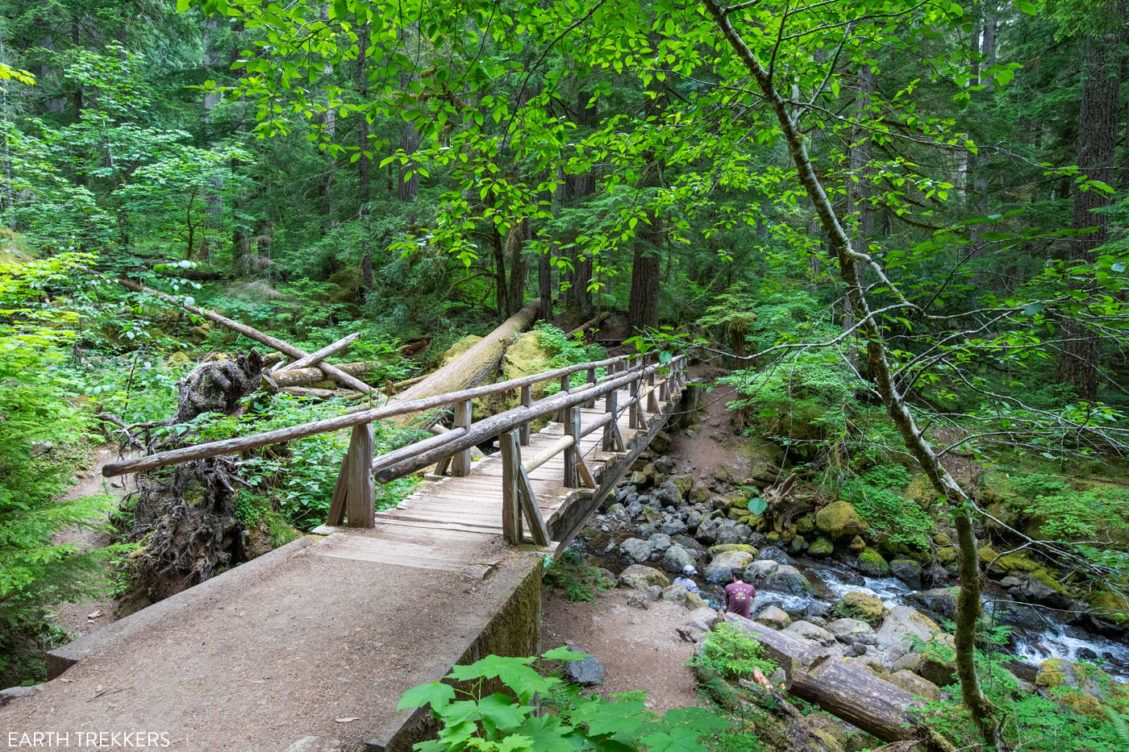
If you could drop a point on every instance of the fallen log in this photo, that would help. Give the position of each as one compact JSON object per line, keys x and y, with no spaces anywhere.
{"x":594,"y":321}
{"x":317,"y":357}
{"x":846,"y":690}
{"x":470,"y":368}
{"x":313,"y":375}
{"x":250,"y":332}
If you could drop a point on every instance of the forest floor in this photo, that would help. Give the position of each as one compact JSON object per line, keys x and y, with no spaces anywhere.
{"x":639,"y":649}
{"x":84,"y":617}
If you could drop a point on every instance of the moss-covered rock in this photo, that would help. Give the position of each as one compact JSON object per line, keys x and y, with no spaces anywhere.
{"x":805,"y":524}
{"x":860,"y":606}
{"x":839,"y":520}
{"x":1110,"y":606}
{"x":684,"y":484}
{"x":857,"y":544}
{"x":947,"y":555}
{"x":723,"y":547}
{"x":871,"y":563}
{"x":821,"y":547}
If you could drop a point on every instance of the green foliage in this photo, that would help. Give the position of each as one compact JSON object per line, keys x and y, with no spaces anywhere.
{"x":41,"y":435}
{"x":580,"y":580}
{"x":471,"y":719}
{"x":566,"y":352}
{"x":298,"y":479}
{"x":878,"y":496}
{"x":732,"y":654}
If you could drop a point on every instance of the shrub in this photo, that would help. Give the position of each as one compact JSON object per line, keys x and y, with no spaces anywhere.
{"x":41,"y":431}
{"x":731,"y":654}
{"x":576,"y":577}
{"x":509,"y":721}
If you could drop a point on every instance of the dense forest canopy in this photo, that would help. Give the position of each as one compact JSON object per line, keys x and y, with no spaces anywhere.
{"x":898,"y":224}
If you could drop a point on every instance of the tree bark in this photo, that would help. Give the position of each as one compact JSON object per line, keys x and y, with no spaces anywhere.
{"x":578,"y":298}
{"x":1097,"y":141}
{"x":646,"y":263}
{"x":474,"y":365}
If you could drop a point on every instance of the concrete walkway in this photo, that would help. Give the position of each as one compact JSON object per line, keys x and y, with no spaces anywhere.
{"x":321,"y":637}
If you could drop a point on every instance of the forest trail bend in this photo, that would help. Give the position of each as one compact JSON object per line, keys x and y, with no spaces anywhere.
{"x":321,"y":637}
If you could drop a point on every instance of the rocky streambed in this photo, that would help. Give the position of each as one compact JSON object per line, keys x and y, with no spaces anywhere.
{"x":822,"y":579}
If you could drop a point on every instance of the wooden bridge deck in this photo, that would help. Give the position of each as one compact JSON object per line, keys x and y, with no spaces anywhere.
{"x":321,"y":637}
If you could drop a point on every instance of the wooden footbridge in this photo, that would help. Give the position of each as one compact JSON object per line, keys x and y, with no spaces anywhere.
{"x":310,"y":646}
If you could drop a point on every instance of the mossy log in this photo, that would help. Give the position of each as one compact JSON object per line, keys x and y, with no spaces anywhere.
{"x":314,"y":375}
{"x":472,"y":367}
{"x":844,"y":689}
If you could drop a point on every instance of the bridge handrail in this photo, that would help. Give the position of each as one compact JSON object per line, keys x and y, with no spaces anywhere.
{"x":357,"y":418}
{"x":488,"y":428}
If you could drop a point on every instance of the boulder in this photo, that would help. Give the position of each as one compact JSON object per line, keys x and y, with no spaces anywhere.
{"x":908,"y":571}
{"x":775,"y":553}
{"x":839,"y":520}
{"x":727,"y":532}
{"x":928,"y":666}
{"x":668,"y":494}
{"x":707,"y":531}
{"x":587,"y":672}
{"x":684,"y":483}
{"x":788,"y":579}
{"x":901,"y":627}
{"x":940,"y":601}
{"x":807,"y":631}
{"x":871,"y":563}
{"x":722,"y":566}
{"x":659,"y":542}
{"x":916,"y":685}
{"x":774,"y":617}
{"x":861,"y":606}
{"x":15,"y":693}
{"x":723,"y":547}
{"x":821,"y":547}
{"x":759,"y":570}
{"x":636,"y":549}
{"x":851,"y":631}
{"x":693,"y":547}
{"x":676,"y":558}
{"x":700,"y":621}
{"x":673,"y":525}
{"x":640,"y":577}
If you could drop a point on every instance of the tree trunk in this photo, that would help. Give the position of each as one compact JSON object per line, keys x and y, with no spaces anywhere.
{"x":213,"y":193}
{"x":517,"y":263}
{"x":474,"y":365}
{"x":578,"y":298}
{"x":364,"y":181}
{"x":1097,"y":142}
{"x":646,"y":263}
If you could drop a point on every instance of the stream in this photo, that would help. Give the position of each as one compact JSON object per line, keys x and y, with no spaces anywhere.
{"x":831,"y":581}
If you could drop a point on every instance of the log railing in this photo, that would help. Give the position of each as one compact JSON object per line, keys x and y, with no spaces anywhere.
{"x":647,"y":383}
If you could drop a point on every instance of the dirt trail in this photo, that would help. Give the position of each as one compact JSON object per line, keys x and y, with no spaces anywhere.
{"x":639,"y":649}
{"x":84,"y":617}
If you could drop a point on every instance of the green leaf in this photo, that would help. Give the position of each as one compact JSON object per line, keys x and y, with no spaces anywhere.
{"x":564,"y":653}
{"x":435,"y":694}
{"x":501,"y":711}
{"x":1025,"y":6}
{"x":756,"y":505}
{"x":515,"y":673}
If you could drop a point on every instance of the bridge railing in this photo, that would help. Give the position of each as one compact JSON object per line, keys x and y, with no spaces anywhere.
{"x":648,"y":383}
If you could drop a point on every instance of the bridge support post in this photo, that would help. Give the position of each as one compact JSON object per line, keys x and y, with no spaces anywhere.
{"x":635,"y":415}
{"x":460,"y":466}
{"x":652,"y":398}
{"x":353,"y":499}
{"x":518,"y":497}
{"x":571,"y":428}
{"x":526,"y":401}
{"x":591,"y":382}
{"x":562,"y":416}
{"x":613,"y":441}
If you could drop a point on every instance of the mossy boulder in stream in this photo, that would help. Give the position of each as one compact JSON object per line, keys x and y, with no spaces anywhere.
{"x":839,"y":520}
{"x":861,"y":606}
{"x":821,"y":547}
{"x":872,"y":564}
